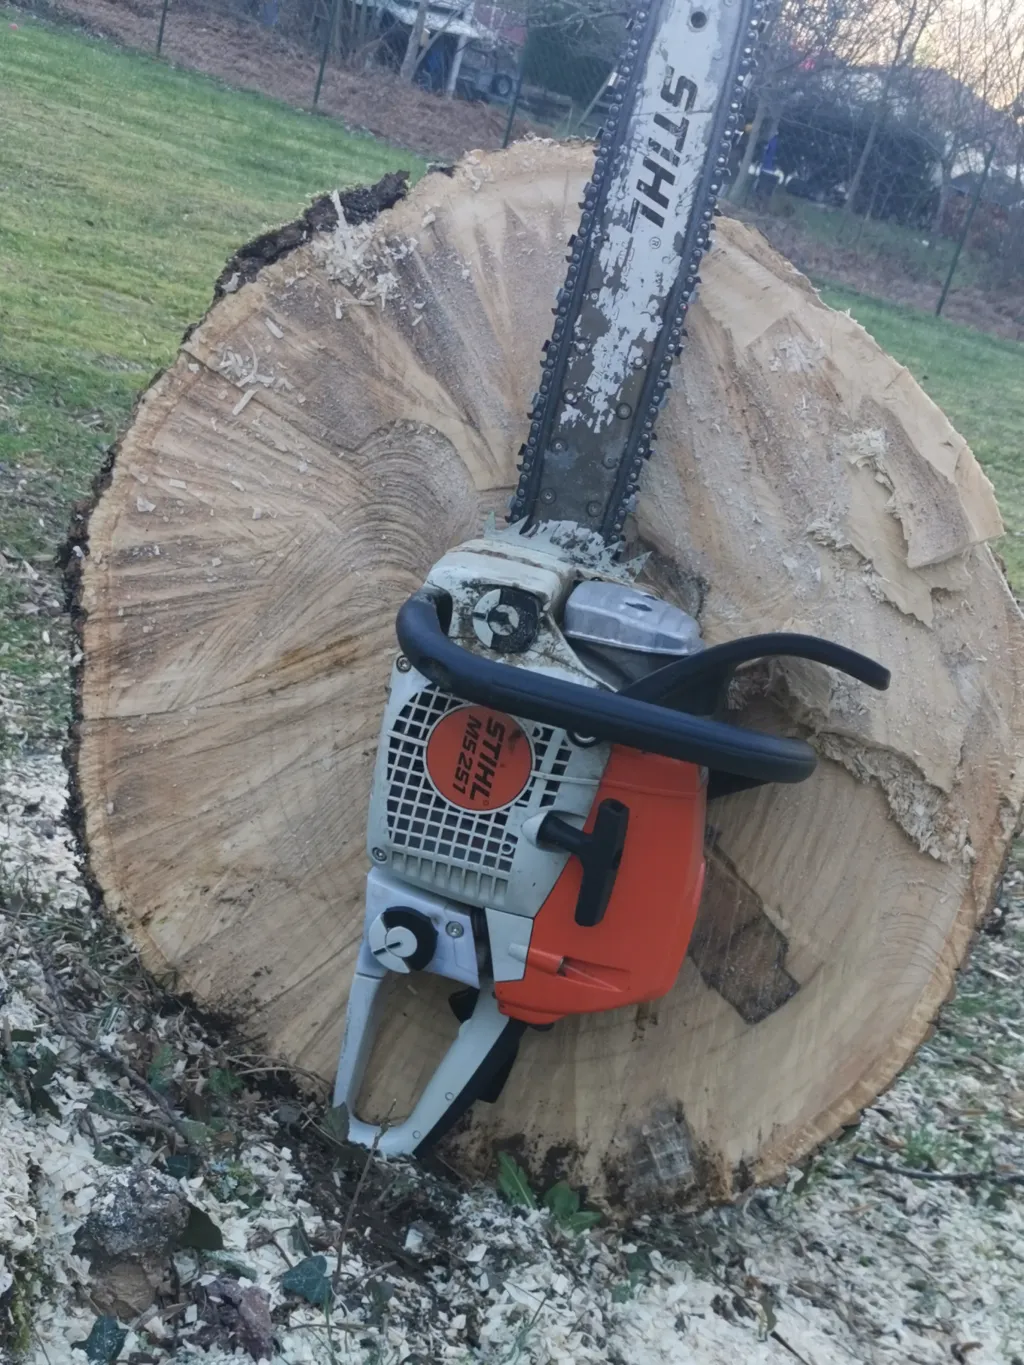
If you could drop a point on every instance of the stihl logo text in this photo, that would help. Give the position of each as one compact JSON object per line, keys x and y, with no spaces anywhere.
{"x":479,"y":757}
{"x":664,"y":151}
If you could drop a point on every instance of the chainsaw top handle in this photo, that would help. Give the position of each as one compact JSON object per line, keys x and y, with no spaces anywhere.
{"x":697,"y":682}
{"x":588,"y":710}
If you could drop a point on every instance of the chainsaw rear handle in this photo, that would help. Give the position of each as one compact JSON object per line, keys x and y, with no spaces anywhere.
{"x":589,"y":710}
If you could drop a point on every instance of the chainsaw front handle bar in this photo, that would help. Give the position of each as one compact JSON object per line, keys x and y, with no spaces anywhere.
{"x":696,"y":682}
{"x":589,"y":710}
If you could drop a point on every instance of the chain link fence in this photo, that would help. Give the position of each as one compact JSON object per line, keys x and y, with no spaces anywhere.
{"x":901,"y":226}
{"x":851,"y":195}
{"x":546,"y":66}
{"x":889,"y":150}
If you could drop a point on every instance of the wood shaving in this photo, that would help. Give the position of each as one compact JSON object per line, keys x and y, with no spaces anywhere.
{"x":842,"y":1264}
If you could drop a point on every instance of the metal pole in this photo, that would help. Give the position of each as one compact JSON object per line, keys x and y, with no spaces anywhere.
{"x":328,"y":35}
{"x":590,"y":107}
{"x":966,"y":229}
{"x":163,"y":21}
{"x":453,"y":74}
{"x":514,"y":104}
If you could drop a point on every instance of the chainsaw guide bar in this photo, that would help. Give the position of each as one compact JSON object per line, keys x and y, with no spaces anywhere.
{"x":647,"y":216}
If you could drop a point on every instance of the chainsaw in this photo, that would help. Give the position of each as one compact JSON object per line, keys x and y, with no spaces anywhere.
{"x":553,"y":733}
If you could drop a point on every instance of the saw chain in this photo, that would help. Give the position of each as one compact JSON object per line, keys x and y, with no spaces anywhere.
{"x":646,"y":221}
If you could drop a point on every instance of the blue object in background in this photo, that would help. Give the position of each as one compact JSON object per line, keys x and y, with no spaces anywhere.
{"x":433,"y":67}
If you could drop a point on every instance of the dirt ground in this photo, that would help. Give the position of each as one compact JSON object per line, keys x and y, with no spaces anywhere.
{"x":248,"y":56}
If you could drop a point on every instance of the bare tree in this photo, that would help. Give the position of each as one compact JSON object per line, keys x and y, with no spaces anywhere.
{"x":583,"y":19}
{"x":948,"y":93}
{"x":966,"y":96}
{"x":902,"y":25}
{"x":803,"y":40}
{"x":412,"y":57}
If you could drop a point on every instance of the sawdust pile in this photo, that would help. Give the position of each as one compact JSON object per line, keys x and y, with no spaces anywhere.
{"x":848,"y":1262}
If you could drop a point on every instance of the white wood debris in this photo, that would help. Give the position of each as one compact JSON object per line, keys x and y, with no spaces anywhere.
{"x":848,"y":1263}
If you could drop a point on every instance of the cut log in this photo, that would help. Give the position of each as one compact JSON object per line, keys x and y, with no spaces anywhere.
{"x":350,"y":410}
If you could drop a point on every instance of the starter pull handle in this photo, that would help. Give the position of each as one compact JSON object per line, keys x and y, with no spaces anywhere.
{"x":599,"y":852}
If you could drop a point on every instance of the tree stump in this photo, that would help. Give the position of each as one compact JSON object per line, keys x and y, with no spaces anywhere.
{"x":350,"y":408}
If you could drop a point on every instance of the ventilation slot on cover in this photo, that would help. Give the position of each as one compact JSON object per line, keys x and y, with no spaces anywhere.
{"x":464,"y":853}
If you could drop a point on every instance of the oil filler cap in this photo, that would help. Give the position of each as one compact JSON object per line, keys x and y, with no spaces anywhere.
{"x":506,"y":620}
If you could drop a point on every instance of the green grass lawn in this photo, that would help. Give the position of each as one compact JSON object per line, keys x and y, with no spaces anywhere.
{"x":978,"y":381}
{"x":124,"y":186}
{"x":919,"y":252}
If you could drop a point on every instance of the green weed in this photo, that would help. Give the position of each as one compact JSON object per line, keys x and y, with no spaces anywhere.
{"x":925,"y":1149}
{"x":562,"y":1202}
{"x":31,"y":1282}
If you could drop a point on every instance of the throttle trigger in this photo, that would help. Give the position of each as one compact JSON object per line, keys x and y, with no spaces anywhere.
{"x":599,"y":852}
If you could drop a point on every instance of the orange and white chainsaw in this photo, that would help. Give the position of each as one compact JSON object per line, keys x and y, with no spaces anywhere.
{"x":551,"y":737}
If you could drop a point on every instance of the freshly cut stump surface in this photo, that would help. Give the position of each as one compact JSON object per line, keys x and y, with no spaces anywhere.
{"x":347,"y":412}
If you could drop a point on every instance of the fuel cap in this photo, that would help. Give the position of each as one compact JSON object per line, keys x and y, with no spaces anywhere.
{"x":402,"y":939}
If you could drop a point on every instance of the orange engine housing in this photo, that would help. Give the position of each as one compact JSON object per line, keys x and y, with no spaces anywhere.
{"x":636,"y":951}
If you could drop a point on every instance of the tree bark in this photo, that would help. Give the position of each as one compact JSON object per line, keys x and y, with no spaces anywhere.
{"x":411,"y":60}
{"x":918,"y":15}
{"x":348,"y":410}
{"x":938,"y":222}
{"x":739,"y":191}
{"x":866,"y":150}
{"x":456,"y":66}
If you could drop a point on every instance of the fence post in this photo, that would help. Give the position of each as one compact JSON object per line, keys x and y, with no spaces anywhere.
{"x":966,"y":229}
{"x":328,"y":35}
{"x":163,"y":21}
{"x":514,"y":102}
